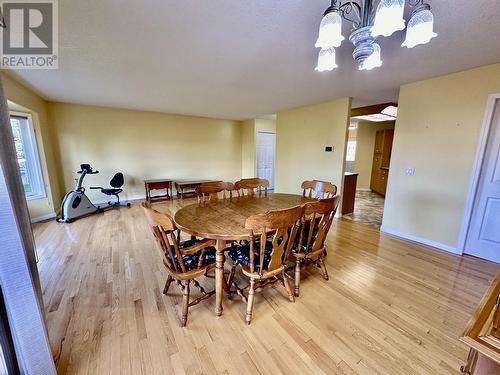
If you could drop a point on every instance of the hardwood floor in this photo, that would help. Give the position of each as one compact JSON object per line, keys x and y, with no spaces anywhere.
{"x":390,"y":307}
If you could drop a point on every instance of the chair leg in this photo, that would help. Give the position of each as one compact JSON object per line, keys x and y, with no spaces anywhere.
{"x":322,"y":266}
{"x":185,"y":302}
{"x":251,"y":292}
{"x":297,"y":276}
{"x":167,"y":284}
{"x":230,"y":281}
{"x":288,"y":287}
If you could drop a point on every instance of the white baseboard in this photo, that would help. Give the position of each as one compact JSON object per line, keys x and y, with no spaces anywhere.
{"x":97,"y":203}
{"x":43,"y":217}
{"x":421,"y":240}
{"x":122,"y":199}
{"x":363,"y":189}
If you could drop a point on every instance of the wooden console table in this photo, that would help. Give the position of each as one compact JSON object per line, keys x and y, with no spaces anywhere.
{"x":482,"y":334}
{"x":158,"y":184}
{"x":186,"y":189}
{"x":349,"y":195}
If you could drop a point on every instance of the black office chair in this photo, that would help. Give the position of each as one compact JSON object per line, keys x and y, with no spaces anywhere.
{"x":116,"y":183}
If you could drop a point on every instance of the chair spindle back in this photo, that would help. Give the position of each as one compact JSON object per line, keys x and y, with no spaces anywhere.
{"x":167,"y":236}
{"x":318,"y":217}
{"x":283,"y":224}
{"x":250,"y":184}
{"x":321,"y":189}
{"x":211,"y":190}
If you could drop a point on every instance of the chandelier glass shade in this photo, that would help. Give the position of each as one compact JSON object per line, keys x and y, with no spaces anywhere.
{"x":389,"y":18}
{"x":370,"y":22}
{"x":374,"y":60}
{"x":420,"y":28}
{"x":326,"y":60}
{"x":330,"y":31}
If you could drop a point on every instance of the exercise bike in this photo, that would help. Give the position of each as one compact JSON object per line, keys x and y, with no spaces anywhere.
{"x":76,"y":204}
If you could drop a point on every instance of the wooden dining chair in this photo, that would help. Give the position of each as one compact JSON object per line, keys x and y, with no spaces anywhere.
{"x":211,"y":190}
{"x":263,"y":258}
{"x":310,"y":246}
{"x":184,"y":260}
{"x":321,"y":189}
{"x":249,"y":185}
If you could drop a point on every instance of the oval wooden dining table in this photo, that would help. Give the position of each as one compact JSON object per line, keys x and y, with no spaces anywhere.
{"x":224,"y":221}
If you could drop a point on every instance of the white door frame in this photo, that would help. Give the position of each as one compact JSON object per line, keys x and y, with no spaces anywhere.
{"x":18,"y":271}
{"x":255,"y":161}
{"x":476,"y":171}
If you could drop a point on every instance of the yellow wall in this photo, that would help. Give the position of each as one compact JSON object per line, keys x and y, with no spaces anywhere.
{"x":302,"y":135}
{"x":248,"y":138}
{"x":365,"y":144}
{"x":143,"y":145}
{"x":23,"y":99}
{"x":353,"y":133}
{"x":265,"y":126}
{"x":437,"y":133}
{"x":248,"y":149}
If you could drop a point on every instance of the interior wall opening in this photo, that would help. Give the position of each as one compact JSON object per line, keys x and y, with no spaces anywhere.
{"x":367,"y":162}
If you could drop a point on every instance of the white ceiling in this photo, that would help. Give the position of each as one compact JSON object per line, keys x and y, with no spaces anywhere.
{"x":241,"y":59}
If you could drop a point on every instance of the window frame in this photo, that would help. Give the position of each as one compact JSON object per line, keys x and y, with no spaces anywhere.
{"x":32,"y":153}
{"x":355,"y":141}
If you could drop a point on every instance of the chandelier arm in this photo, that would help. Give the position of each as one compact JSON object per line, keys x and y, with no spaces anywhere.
{"x":351,"y":7}
{"x":415,"y":3}
{"x":369,"y":11}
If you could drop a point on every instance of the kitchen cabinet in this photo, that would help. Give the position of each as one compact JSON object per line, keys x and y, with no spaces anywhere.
{"x":381,"y":160}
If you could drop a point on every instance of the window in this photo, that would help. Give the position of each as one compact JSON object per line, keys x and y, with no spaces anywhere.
{"x":351,"y":150}
{"x":27,"y":155}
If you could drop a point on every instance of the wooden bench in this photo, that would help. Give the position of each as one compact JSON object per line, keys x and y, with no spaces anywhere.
{"x":186,"y":189}
{"x":158,"y":184}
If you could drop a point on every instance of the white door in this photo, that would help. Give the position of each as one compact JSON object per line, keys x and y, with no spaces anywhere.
{"x":266,"y":152}
{"x":483,"y":238}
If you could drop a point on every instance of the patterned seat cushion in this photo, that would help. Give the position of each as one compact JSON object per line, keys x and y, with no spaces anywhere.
{"x":191,"y":260}
{"x":295,"y":248}
{"x":240,"y":254}
{"x":303,"y":247}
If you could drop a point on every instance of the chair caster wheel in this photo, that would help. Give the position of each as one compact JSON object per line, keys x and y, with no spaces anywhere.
{"x":128,"y":204}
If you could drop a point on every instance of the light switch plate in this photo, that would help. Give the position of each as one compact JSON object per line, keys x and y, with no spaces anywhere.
{"x":409,"y":171}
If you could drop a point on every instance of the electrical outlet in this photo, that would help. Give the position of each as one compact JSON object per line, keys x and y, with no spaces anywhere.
{"x":409,"y":171}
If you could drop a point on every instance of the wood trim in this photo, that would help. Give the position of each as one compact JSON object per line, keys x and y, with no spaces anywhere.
{"x":472,"y":333}
{"x":371,"y":109}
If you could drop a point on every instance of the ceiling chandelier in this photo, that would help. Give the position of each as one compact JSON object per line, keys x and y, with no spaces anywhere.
{"x":370,"y":23}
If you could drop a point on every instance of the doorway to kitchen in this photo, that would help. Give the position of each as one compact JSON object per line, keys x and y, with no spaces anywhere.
{"x":367,"y":163}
